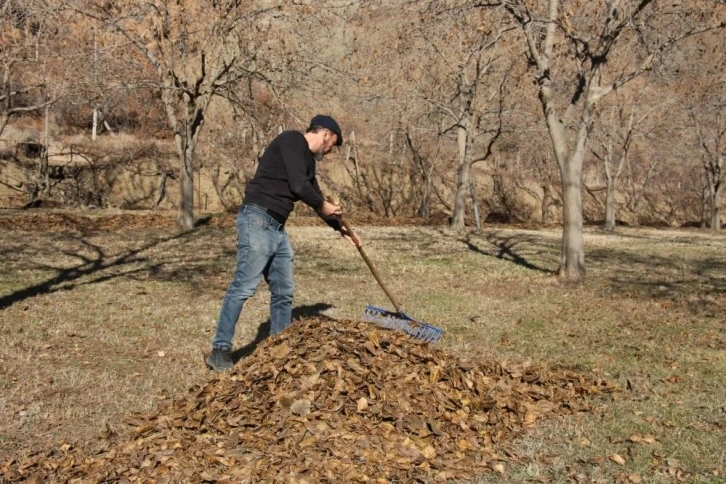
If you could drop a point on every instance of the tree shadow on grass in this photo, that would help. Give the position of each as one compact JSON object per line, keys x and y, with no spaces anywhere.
{"x":132,"y":262}
{"x":672,"y":277}
{"x":263,"y":330}
{"x":505,"y":250}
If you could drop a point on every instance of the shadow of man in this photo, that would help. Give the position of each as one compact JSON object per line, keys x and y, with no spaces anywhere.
{"x":263,"y":330}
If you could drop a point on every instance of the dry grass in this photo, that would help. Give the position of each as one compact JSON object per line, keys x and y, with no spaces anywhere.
{"x":95,"y":325}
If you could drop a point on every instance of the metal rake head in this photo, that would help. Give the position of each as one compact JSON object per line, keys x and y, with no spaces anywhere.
{"x":416,"y":329}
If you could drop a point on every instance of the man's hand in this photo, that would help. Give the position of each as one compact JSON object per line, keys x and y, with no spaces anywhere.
{"x":328,"y":209}
{"x":353,"y":239}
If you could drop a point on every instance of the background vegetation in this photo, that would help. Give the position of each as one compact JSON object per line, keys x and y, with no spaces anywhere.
{"x":145,"y":105}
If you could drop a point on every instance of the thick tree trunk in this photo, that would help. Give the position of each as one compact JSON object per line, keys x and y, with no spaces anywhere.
{"x":185,"y":214}
{"x":462,"y":181}
{"x":424,"y":209}
{"x":185,"y":140}
{"x":572,"y":264}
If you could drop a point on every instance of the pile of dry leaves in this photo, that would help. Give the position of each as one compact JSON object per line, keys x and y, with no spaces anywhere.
{"x":329,"y":401}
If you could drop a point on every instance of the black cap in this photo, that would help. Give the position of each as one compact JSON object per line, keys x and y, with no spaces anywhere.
{"x":328,"y":123}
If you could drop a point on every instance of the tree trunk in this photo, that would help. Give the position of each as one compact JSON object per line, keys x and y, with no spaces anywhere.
{"x":572,"y":264}
{"x":162,"y":190}
{"x":185,"y":140}
{"x":353,"y":153}
{"x":475,"y":205}
{"x":185,"y":214}
{"x":462,"y":181}
{"x":546,"y":202}
{"x":635,"y":221}
{"x":704,"y":205}
{"x":610,"y":189}
{"x":715,"y":193}
{"x":4,"y":120}
{"x":610,"y":206}
{"x":424,"y":209}
{"x":45,"y":155}
{"x":94,"y":128}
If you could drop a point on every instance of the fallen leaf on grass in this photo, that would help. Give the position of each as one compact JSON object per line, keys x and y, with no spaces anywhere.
{"x":617,"y":459}
{"x":638,"y":439}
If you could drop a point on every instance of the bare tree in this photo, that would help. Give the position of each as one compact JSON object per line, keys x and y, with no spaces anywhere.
{"x":640,"y":171}
{"x":199,"y":51}
{"x":581,"y":45}
{"x":24,"y":28}
{"x":425,"y":159}
{"x":621,"y":128}
{"x":466,"y":86}
{"x":712,"y":141}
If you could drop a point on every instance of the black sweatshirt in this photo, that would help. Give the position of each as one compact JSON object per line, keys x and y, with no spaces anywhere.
{"x":286,"y":174}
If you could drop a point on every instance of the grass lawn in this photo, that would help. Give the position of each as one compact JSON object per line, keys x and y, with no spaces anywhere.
{"x":99,"y":320}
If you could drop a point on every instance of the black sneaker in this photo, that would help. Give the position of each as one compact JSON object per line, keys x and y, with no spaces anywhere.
{"x":220,"y":359}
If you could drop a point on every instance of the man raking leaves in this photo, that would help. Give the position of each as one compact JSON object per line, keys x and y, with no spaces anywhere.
{"x":285,"y":175}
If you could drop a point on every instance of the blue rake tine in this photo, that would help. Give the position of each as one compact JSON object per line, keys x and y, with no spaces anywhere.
{"x":402,"y":322}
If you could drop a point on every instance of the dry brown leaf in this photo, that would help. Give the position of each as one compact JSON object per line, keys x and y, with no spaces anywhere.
{"x":281,"y":351}
{"x":638,"y":439}
{"x":464,"y":445}
{"x":617,"y":459}
{"x":300,"y":407}
{"x":428,"y":452}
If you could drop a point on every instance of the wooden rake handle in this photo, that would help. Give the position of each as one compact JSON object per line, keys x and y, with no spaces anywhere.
{"x":370,"y":265}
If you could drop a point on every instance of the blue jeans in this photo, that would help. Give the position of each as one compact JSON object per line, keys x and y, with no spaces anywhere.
{"x":263,"y":249}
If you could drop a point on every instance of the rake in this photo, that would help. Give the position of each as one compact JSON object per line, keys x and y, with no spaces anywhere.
{"x":398,"y":320}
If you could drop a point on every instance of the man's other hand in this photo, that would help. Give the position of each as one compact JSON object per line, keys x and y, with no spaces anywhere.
{"x":352,"y":238}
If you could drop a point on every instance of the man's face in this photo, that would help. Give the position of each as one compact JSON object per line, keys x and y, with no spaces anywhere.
{"x":329,"y":140}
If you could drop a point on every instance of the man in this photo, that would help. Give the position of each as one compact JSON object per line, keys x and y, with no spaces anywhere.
{"x":286,"y":174}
